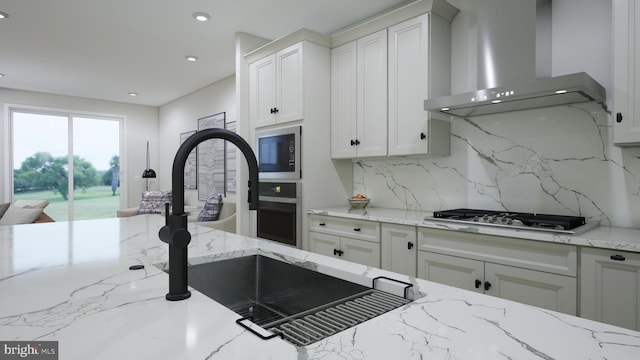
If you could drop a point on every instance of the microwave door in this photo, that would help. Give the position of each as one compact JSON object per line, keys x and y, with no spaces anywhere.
{"x":279,"y":153}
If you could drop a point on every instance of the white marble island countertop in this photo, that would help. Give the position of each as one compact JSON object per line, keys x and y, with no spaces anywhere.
{"x":71,"y":283}
{"x":601,"y":237}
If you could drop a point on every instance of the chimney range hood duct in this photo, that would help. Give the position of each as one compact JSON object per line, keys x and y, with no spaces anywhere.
{"x":506,"y":68}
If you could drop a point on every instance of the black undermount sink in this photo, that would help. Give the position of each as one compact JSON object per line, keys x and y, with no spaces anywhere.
{"x":300,"y":305}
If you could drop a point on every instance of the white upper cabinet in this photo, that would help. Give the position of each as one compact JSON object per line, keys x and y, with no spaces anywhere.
{"x":276,"y":87}
{"x":343,"y":101}
{"x":626,"y":72}
{"x":359,"y":98}
{"x":419,"y":68}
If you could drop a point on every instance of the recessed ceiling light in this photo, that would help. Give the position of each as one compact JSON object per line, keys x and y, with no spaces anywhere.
{"x":191,"y":58}
{"x":133,"y":94}
{"x":1,"y":75}
{"x":200,"y":16}
{"x":3,"y":15}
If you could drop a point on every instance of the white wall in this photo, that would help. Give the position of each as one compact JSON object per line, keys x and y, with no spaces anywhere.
{"x":141,"y":123}
{"x":181,"y":115}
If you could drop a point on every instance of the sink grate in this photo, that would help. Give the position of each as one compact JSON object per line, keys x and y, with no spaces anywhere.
{"x":306,"y":329}
{"x":259,"y":313}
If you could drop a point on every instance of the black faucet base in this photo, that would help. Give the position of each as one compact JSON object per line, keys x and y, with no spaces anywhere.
{"x":178,"y":297}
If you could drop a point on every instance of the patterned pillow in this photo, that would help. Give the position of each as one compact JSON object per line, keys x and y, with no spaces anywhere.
{"x":211,"y":209}
{"x":153,"y":201}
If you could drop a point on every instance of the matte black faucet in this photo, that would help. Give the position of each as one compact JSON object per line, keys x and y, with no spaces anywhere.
{"x":175,"y":231}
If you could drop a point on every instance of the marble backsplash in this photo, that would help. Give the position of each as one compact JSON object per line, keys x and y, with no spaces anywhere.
{"x":558,"y":160}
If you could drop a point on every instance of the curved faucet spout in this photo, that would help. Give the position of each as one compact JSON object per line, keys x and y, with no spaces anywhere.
{"x":177,"y":176}
{"x":175,"y":231}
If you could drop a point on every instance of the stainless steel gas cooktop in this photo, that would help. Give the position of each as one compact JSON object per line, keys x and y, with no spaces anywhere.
{"x":573,"y":225}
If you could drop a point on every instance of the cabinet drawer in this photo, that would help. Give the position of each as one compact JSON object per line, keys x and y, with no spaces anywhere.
{"x":529,"y":254}
{"x":356,"y":229}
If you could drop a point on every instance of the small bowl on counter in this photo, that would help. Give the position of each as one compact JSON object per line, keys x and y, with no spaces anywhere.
{"x":359,"y":203}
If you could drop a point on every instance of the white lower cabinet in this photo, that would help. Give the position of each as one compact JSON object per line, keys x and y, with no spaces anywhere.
{"x":357,"y":241}
{"x":610,"y":287}
{"x":399,"y":248}
{"x":455,"y":271}
{"x":530,"y":272}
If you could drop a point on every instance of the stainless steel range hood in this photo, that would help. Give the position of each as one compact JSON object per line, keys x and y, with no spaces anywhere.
{"x":506,"y":68}
{"x":559,"y":90}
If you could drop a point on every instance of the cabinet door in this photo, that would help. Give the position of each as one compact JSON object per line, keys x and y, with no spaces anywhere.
{"x":626,"y":72}
{"x":361,"y":252}
{"x":408,"y":80}
{"x":610,"y":287}
{"x":451,"y":270}
{"x":289,"y":84}
{"x":323,"y":244}
{"x":399,"y":250}
{"x":262,"y":91}
{"x":343,"y":101}
{"x":372,"y":95}
{"x":548,"y":291}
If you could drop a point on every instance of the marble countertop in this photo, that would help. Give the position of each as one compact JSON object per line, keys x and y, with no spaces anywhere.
{"x":601,"y":237}
{"x":70,"y":282}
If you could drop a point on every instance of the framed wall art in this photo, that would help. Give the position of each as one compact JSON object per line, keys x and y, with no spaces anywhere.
{"x":190,"y":167}
{"x":211,"y":159}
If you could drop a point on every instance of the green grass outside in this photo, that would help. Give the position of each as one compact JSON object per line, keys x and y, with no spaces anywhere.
{"x":93,"y":203}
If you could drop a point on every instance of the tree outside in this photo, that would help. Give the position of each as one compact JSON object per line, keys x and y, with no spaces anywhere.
{"x":44,"y":172}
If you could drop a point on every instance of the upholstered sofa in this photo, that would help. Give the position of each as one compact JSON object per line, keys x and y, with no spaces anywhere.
{"x":24,"y":212}
{"x":226,"y":220}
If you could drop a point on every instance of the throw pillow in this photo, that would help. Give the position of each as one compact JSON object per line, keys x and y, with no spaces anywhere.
{"x":211,"y":209}
{"x":153,"y":201}
{"x":3,"y":208}
{"x":31,"y":204}
{"x":17,"y":215}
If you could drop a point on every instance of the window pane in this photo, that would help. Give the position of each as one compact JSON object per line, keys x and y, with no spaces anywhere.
{"x":40,"y":161}
{"x":96,"y":168}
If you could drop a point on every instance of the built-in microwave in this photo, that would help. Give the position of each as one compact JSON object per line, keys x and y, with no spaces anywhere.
{"x":278,"y":153}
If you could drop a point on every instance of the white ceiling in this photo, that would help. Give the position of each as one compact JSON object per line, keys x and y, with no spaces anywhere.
{"x":105,"y":49}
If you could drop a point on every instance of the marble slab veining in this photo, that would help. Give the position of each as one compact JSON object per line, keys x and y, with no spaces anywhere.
{"x":554,"y":160}
{"x":70,"y":282}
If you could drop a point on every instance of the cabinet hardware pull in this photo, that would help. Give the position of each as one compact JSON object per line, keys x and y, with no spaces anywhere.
{"x":487,"y":285}
{"x":272,"y":110}
{"x":619,"y":117}
{"x":423,"y":136}
{"x":322,"y":224}
{"x":338,"y":252}
{"x":275,"y":110}
{"x":353,"y":142}
{"x":409,"y":245}
{"x":618,"y":257}
{"x":356,"y":229}
{"x":357,"y":142}
{"x":478,"y":283}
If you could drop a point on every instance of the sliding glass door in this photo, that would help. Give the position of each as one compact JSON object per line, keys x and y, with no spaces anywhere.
{"x":71,"y":161}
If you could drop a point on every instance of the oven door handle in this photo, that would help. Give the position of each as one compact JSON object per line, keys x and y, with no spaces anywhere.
{"x":280,"y":199}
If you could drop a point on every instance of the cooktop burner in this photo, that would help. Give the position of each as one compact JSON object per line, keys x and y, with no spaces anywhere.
{"x":526,"y":221}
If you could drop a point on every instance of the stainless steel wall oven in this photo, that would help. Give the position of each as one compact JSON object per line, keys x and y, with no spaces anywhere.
{"x":279,"y":212}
